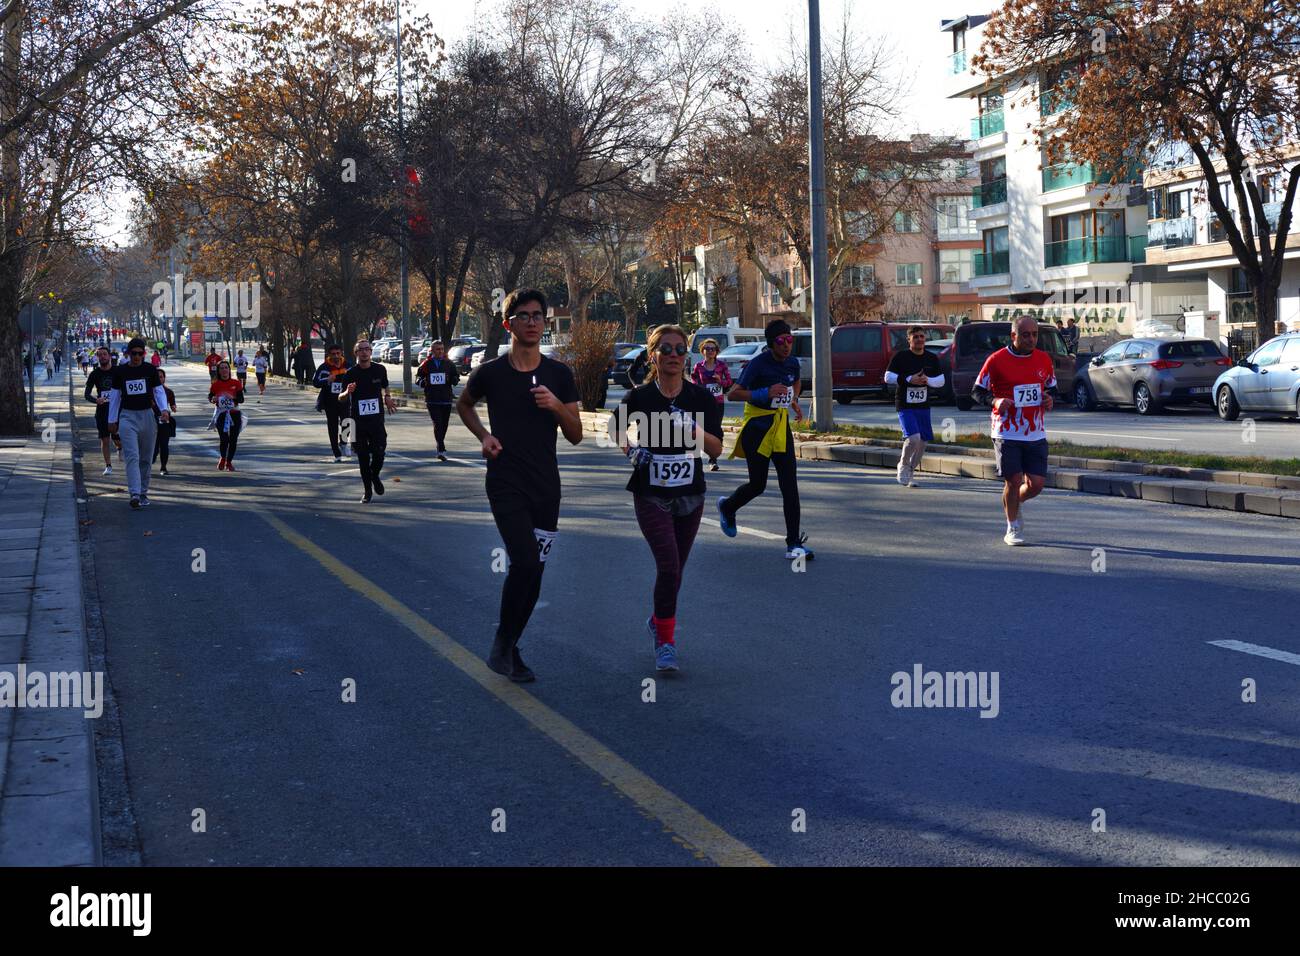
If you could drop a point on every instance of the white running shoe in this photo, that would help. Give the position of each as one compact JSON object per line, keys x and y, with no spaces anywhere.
{"x":1013,"y":536}
{"x":108,"y":469}
{"x":903,"y":476}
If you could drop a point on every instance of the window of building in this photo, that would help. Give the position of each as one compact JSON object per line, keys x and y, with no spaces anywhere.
{"x":991,"y":169}
{"x":904,"y":221}
{"x":955,"y":265}
{"x":954,"y":217}
{"x":907,"y":273}
{"x":996,"y":240}
{"x":859,"y":277}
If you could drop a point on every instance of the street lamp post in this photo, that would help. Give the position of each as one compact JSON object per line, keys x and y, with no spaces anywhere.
{"x":822,"y":416}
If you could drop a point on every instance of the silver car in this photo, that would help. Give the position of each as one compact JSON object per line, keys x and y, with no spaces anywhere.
{"x":1150,"y":374}
{"x":1268,"y":380}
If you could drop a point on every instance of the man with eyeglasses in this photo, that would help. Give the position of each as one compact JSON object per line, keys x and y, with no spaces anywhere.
{"x":769,"y":386}
{"x":528,"y":395}
{"x":1018,"y":382}
{"x":365,"y":387}
{"x":136,"y":390}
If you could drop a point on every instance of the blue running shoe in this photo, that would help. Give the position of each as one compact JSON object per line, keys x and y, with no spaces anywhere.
{"x":728,"y":524}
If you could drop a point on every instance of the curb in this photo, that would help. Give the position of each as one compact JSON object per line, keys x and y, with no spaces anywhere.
{"x":1273,"y":495}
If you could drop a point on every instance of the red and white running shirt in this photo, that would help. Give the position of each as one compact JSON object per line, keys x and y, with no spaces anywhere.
{"x":1019,"y":385}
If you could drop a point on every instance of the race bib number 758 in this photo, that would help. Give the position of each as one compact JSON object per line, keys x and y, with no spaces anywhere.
{"x":1028,"y":396}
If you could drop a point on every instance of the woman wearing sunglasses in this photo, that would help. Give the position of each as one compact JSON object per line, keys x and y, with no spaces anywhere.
{"x":713,"y":376}
{"x":674,"y":419}
{"x":769,"y":386}
{"x":227,"y":393}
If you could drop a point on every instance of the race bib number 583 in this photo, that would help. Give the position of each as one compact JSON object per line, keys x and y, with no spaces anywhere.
{"x":1028,"y":396}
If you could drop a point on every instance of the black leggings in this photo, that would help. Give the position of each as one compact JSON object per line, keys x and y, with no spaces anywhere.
{"x":160,"y":446}
{"x":230,"y":439}
{"x":441,"y":415}
{"x":369,"y":444}
{"x":670,"y":538}
{"x":516,"y":517}
{"x":333,"y":414}
{"x":750,"y":438}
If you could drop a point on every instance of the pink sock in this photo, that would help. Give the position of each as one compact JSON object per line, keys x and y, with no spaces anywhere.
{"x":665,"y":628}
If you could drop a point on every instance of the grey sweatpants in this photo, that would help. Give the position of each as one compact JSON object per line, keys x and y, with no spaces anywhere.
{"x":912,"y":452}
{"x":138,"y":431}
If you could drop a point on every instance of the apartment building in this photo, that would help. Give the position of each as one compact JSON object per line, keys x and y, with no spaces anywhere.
{"x":1054,"y":234}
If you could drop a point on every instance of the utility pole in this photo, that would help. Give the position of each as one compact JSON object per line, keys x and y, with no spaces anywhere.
{"x":822,"y":416}
{"x":406,"y":295}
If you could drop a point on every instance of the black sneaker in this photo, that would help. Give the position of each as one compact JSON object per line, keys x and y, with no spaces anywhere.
{"x":499,"y":658}
{"x":135,"y":502}
{"x":365,"y":499}
{"x":441,"y":456}
{"x":521,"y":673}
{"x":379,"y":486}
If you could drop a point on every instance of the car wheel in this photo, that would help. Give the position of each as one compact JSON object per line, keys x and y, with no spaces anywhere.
{"x":1226,"y":404}
{"x":964,"y":403}
{"x":1144,"y":401}
{"x":844,"y":399}
{"x":1083,"y":399}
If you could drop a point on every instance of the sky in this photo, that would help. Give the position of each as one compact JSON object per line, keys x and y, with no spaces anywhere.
{"x":910,"y":26}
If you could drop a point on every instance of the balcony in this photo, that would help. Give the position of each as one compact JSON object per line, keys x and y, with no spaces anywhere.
{"x":1071,"y":252}
{"x":1137,"y":249}
{"x":990,"y":193}
{"x":1172,"y":233}
{"x":1065,"y":175}
{"x":992,"y":263}
{"x":1055,"y":101}
{"x":1273,"y":212}
{"x":986,"y":124}
{"x":1240,"y":307}
{"x":957,"y":63}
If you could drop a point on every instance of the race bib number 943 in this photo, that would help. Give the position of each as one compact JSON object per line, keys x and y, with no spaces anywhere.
{"x":368,"y":406}
{"x":1028,"y":396}
{"x":917,"y":396}
{"x":672,"y":471}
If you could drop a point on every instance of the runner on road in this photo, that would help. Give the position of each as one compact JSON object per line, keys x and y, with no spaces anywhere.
{"x":227,"y":394}
{"x":136,"y":393}
{"x":101,"y":382}
{"x":365,"y":388}
{"x":913,"y":373}
{"x":166,"y":429}
{"x":438,"y":377}
{"x":769,"y":386}
{"x":211,"y":362}
{"x":528,"y":395}
{"x":712,"y":374}
{"x":329,"y":379}
{"x":1018,"y":381}
{"x":241,"y":368}
{"x":667,"y":484}
{"x":261,"y":362}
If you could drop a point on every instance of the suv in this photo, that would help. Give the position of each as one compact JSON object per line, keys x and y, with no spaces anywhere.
{"x":860,"y":353}
{"x":1268,"y":380}
{"x":973,"y":342}
{"x":1150,"y":373}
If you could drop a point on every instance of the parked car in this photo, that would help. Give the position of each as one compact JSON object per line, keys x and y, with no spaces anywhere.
{"x":627,"y":361}
{"x":1267,"y":380}
{"x":738,"y":356}
{"x":460,"y":356}
{"x":860,"y":354}
{"x":1150,"y":374}
{"x":976,"y":341}
{"x":479,"y":357}
{"x":726,"y":337}
{"x":803,"y":343}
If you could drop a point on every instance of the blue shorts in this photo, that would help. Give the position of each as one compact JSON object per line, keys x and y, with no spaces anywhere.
{"x":916,"y":421}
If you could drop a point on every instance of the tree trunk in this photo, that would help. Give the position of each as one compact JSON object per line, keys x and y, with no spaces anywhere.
{"x":494,"y":328}
{"x":14,"y":419}
{"x":1265,"y":310}
{"x":278,"y":364}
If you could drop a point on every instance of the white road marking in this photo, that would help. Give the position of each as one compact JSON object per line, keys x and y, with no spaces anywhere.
{"x":767,"y":535}
{"x":1258,"y":650}
{"x":1061,"y":431}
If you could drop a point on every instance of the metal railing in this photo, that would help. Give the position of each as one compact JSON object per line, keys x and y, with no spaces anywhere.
{"x":1055,"y":100}
{"x":1064,"y":175}
{"x":986,"y":124}
{"x":989,"y":193}
{"x":992,"y":263}
{"x":1069,"y":252}
{"x":1172,"y":233}
{"x":1137,"y":249}
{"x":957,"y":63}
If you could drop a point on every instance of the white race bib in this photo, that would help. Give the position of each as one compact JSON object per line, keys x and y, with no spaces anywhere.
{"x":784,"y":400}
{"x":672,"y":471}
{"x":336,"y":387}
{"x":1028,"y":396}
{"x":135,"y":386}
{"x":368,"y":406}
{"x":916,"y":395}
{"x":544,"y":541}
{"x":225,"y":403}
{"x":714,"y":389}
{"x":437,"y":378}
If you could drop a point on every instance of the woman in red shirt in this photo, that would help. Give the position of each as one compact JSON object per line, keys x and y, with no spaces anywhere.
{"x":227,"y":393}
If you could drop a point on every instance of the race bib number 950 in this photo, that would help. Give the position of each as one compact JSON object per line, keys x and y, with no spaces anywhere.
{"x":368,"y":406}
{"x":135,"y":386}
{"x":1028,"y":396}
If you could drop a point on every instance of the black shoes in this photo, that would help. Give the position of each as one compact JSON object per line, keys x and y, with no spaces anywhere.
{"x":505,"y":660}
{"x":379,"y":486}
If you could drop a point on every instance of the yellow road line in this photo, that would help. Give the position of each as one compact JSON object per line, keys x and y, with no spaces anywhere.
{"x":687,"y":825}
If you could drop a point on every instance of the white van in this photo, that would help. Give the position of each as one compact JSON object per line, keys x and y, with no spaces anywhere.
{"x":725,"y":336}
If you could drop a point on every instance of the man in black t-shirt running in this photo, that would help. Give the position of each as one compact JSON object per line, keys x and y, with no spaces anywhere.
{"x":365,"y":389}
{"x":528,"y":395}
{"x":913,"y":374}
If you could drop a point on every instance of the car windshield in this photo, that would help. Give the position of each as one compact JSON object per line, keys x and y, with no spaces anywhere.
{"x":986,"y":338}
{"x":631,"y":353}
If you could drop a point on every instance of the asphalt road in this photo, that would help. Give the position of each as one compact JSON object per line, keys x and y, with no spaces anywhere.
{"x":230,"y":680}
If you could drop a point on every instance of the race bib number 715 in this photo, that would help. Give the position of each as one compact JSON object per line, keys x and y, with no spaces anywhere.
{"x":368,"y":406}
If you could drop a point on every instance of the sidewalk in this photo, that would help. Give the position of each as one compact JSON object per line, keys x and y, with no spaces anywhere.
{"x":48,"y":786}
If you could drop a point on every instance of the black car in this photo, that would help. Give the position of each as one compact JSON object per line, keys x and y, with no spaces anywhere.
{"x":629,"y":368}
{"x":460,"y":356}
